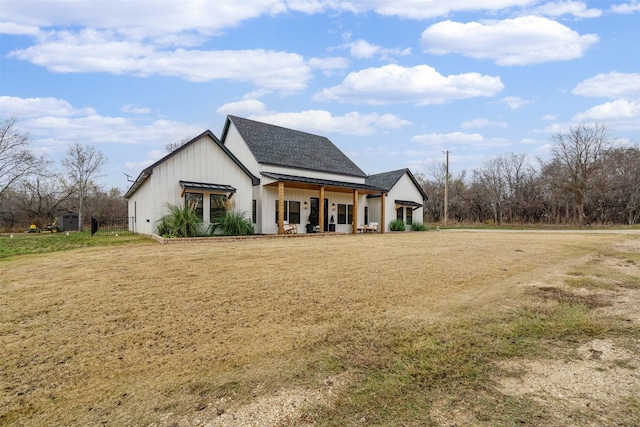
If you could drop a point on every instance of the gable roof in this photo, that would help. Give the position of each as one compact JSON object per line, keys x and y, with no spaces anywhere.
{"x":387,"y":180}
{"x":279,"y":146}
{"x":149,"y":170}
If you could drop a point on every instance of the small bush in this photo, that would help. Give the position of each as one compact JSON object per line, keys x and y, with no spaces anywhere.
{"x":418,"y":227}
{"x":232,"y":223}
{"x":180,"y":222}
{"x":397,"y":225}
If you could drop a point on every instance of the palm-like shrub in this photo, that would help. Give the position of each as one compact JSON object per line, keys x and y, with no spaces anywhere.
{"x":231,"y":223}
{"x":416,"y":226}
{"x":181,"y":221}
{"x":397,"y":225}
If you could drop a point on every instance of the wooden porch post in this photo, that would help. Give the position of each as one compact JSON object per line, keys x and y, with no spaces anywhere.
{"x":321,"y":210}
{"x":280,"y":207}
{"x":383,"y":220}
{"x":354,"y":224}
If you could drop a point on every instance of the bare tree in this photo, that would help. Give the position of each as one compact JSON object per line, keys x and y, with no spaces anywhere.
{"x":579,"y":153}
{"x":16,"y":160}
{"x":173,"y":146}
{"x":620,"y":196}
{"x":84,"y":164}
{"x":492,"y":179}
{"x":42,"y":199}
{"x":435,"y":189}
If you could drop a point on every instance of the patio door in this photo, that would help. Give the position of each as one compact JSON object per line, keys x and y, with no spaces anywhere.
{"x":314,"y":211}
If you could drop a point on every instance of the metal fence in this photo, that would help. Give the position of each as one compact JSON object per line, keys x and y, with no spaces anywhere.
{"x":112,"y":226}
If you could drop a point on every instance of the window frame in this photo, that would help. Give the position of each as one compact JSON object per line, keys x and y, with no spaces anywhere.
{"x":254,"y":211}
{"x":342,"y":213}
{"x":214,"y":212}
{"x":294,"y":212}
{"x":188,"y":196}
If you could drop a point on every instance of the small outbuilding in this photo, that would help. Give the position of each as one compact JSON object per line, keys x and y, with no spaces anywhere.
{"x":68,"y":221}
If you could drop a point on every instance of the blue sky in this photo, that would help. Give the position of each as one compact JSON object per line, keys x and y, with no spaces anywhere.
{"x":392,"y":83}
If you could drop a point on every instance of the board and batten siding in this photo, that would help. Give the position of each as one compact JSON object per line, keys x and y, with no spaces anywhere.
{"x":404,"y":189}
{"x":308,"y":173}
{"x":269,"y":196}
{"x":234,"y":143}
{"x":203,"y":161}
{"x":140,"y":207}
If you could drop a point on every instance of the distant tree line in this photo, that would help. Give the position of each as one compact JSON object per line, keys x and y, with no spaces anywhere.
{"x":588,"y":180}
{"x":34,"y":191}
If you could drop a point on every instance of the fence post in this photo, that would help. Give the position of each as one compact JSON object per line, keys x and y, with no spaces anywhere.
{"x":94,"y":226}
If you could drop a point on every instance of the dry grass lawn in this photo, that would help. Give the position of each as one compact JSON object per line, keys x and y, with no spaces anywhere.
{"x":258,"y":332}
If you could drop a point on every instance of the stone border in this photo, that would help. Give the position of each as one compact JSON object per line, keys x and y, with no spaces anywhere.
{"x":163,"y":240}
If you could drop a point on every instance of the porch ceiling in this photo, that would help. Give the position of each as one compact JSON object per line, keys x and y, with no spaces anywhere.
{"x":306,"y":183}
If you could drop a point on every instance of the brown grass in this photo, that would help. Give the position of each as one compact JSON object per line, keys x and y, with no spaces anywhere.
{"x":129,"y":335}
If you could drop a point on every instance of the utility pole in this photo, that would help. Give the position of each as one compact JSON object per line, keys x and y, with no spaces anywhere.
{"x":446,"y":189}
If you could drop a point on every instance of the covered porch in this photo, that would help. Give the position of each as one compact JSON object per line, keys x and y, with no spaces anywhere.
{"x":319,"y":206}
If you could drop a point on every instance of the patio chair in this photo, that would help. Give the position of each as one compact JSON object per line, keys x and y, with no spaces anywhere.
{"x":290,"y":228}
{"x":373,"y":226}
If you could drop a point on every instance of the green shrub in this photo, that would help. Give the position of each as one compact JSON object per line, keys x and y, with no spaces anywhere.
{"x":181,"y":221}
{"x":397,"y":225}
{"x":232,"y":223}
{"x":418,"y":227}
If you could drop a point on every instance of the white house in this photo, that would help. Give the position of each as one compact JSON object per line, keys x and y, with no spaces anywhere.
{"x":405,"y":197}
{"x":202,"y":170}
{"x":277,"y":176}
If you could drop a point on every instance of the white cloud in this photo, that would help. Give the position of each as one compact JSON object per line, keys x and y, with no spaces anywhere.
{"x":549,"y":117}
{"x":152,"y":157}
{"x":519,"y":41}
{"x":610,"y":85}
{"x":322,"y":122}
{"x":460,"y":140}
{"x":362,"y":49}
{"x":55,"y":122}
{"x":28,"y":108}
{"x":626,"y":8}
{"x":247,"y":107}
{"x":316,"y":121}
{"x":569,"y":7}
{"x":424,"y":9}
{"x":622,"y":114}
{"x":140,"y":17}
{"x":419,"y":85}
{"x":514,"y":102}
{"x":481,"y":123}
{"x":105,"y":51}
{"x":131,"y":108}
{"x":211,"y":17}
{"x":14,"y":29}
{"x":448,"y":138}
{"x":329,"y":65}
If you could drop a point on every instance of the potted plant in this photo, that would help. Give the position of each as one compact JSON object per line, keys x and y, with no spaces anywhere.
{"x":332,"y":225}
{"x":313,"y":220}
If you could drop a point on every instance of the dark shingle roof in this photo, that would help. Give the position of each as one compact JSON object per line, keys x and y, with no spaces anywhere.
{"x":279,"y":146}
{"x":387,"y":180}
